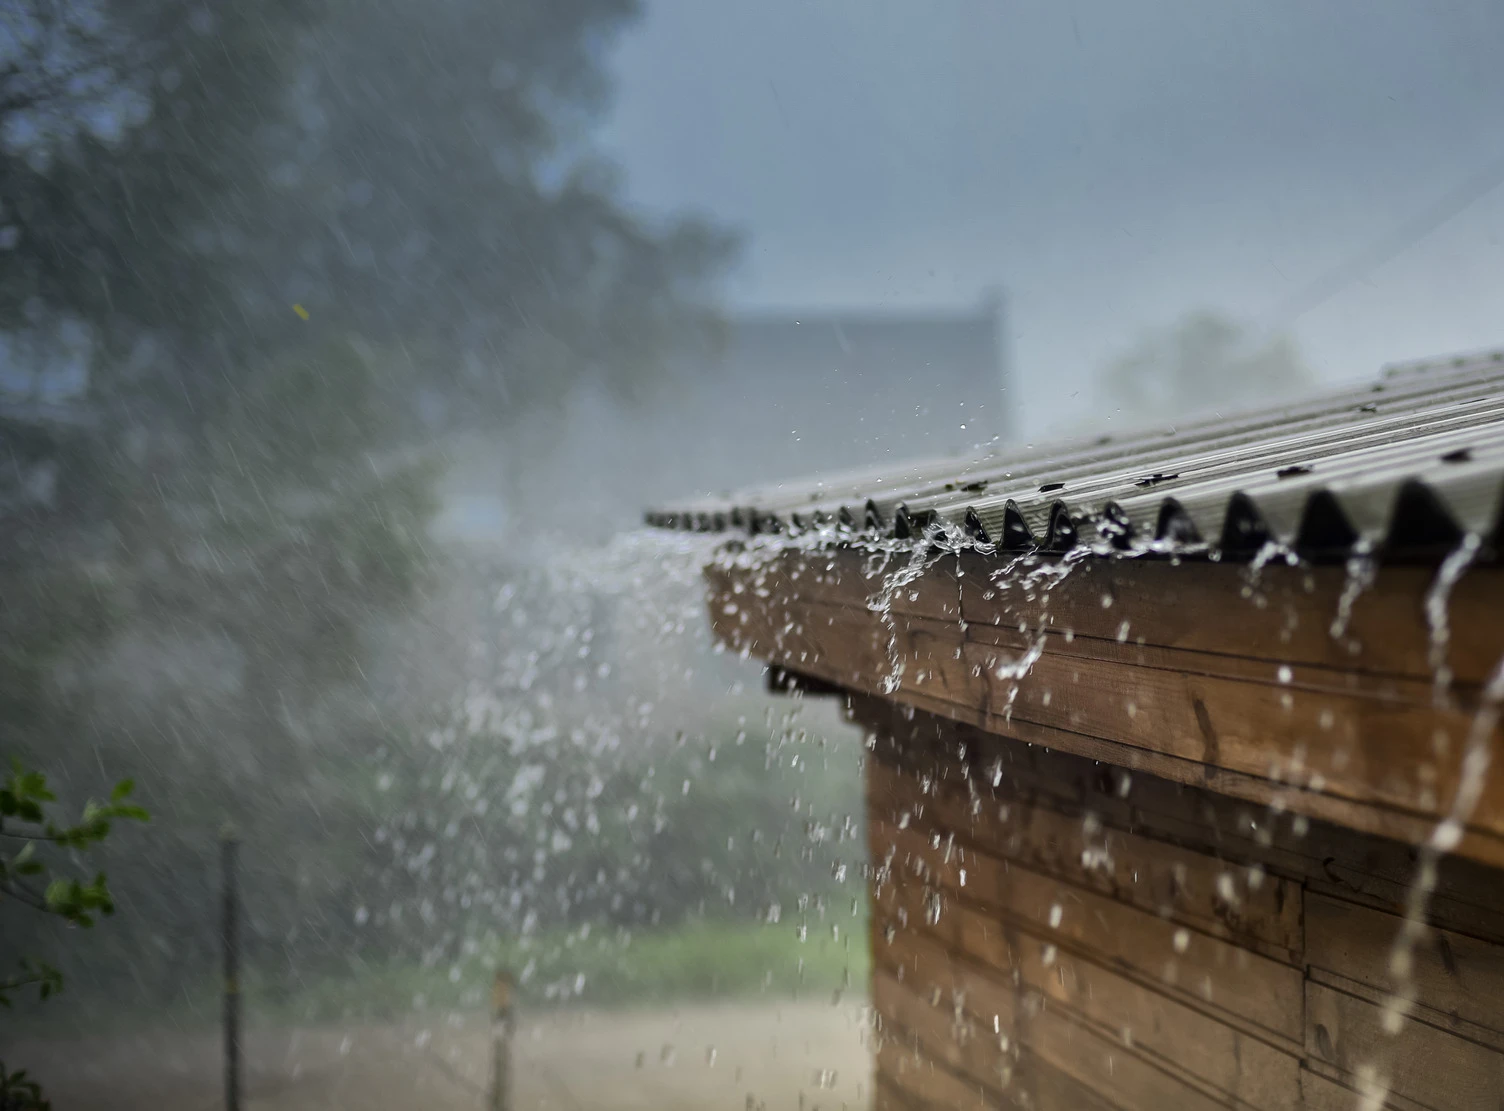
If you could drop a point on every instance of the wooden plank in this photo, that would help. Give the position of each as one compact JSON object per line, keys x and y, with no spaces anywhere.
{"x":1200,"y":967}
{"x":943,"y":1032}
{"x":1217,"y":896}
{"x":1034,"y":1085}
{"x":1288,"y":618}
{"x":1421,"y":1062}
{"x":1322,"y":1093}
{"x":1301,"y":677}
{"x":847,"y":578}
{"x":1361,"y":748}
{"x":1460,"y":977}
{"x":1370,"y":760}
{"x":922,"y":1081}
{"x":1140,"y":1017}
{"x":1262,"y":804}
{"x":888,"y":1096}
{"x":1276,"y":801}
{"x":944,"y":1011}
{"x":1469,"y":896}
{"x":1181,"y":1039}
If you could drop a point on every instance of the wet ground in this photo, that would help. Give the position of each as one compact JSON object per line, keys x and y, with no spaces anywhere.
{"x":805,"y":1056}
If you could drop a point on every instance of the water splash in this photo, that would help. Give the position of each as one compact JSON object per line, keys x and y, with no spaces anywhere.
{"x":1361,"y":569}
{"x":1438,"y":603}
{"x":1477,"y":759}
{"x":923,"y":554}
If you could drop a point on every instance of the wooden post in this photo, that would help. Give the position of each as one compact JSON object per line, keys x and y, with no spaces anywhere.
{"x":499,"y":1095}
{"x":228,"y":847}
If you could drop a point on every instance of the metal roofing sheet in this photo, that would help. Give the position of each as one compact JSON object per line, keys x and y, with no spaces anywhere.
{"x":1405,"y":466}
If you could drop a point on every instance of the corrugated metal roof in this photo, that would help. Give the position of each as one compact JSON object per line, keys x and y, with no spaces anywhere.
{"x":1406,"y":466}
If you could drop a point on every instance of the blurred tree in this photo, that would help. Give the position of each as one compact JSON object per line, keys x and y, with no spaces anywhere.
{"x":128,"y":169}
{"x":253,"y":257}
{"x":440,"y":189}
{"x":1203,"y":362}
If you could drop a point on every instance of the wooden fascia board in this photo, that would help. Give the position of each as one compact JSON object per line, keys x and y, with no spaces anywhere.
{"x":1199,"y":673}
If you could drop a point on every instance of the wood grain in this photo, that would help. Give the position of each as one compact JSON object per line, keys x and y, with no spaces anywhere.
{"x":1321,"y":856}
{"x":1200,"y":686}
{"x":1434,"y":1067}
{"x":1197,"y":967}
{"x":1458,"y":978}
{"x":1126,"y":1014}
{"x":1212,"y":895}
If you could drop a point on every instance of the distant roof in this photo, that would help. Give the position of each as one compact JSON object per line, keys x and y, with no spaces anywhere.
{"x":1405,"y":466}
{"x":794,"y":392}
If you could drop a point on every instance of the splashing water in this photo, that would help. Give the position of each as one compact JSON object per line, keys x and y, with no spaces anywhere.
{"x":923,"y":555}
{"x":1477,"y":758}
{"x":1438,"y":600}
{"x":1361,"y":569}
{"x":1253,"y":574}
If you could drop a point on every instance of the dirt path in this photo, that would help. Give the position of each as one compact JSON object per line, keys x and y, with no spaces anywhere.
{"x":801,"y":1056}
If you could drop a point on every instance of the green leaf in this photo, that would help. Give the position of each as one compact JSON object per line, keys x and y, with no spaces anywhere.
{"x":122,"y":790}
{"x":61,"y":892}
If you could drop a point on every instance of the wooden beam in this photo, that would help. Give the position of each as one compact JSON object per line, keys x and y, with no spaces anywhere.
{"x":1189,"y":672}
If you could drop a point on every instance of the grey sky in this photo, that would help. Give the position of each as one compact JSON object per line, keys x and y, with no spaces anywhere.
{"x":1111,"y":163}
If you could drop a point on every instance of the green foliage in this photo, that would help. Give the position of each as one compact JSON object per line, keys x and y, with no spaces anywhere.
{"x":18,"y":1092}
{"x":25,"y":876}
{"x":28,"y":879}
{"x":601,"y":966}
{"x":112,"y":222}
{"x":510,"y":264}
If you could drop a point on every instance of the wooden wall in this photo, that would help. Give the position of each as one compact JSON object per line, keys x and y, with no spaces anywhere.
{"x":1050,"y":932}
{"x":1185,"y":672}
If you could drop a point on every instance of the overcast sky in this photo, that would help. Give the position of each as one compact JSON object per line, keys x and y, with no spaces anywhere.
{"x":1110,"y":163}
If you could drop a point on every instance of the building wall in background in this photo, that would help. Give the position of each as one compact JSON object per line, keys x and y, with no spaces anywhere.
{"x":800,"y":393}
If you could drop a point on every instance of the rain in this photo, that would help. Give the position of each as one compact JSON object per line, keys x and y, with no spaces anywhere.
{"x":831,"y":555}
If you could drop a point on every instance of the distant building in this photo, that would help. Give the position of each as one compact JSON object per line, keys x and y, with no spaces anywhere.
{"x":787,"y":394}
{"x":794,"y":393}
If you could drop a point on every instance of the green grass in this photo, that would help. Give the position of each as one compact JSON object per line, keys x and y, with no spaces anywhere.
{"x":704,"y":961}
{"x":604,"y":968}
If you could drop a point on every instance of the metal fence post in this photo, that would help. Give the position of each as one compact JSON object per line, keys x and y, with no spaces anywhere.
{"x":230,"y":932}
{"x":499,"y":1094}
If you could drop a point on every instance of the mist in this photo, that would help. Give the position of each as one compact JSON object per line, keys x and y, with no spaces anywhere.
{"x":343,"y":346}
